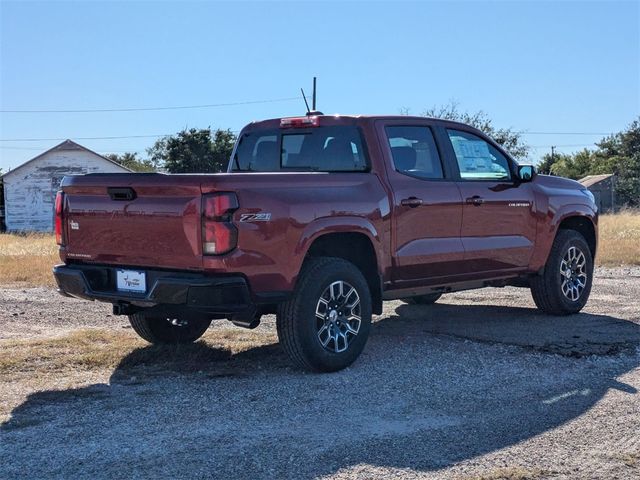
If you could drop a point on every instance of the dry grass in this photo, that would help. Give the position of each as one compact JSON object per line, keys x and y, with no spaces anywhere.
{"x":97,"y":349}
{"x":28,"y":259}
{"x":619,"y":239}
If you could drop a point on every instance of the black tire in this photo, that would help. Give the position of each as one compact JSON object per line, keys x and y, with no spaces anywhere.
{"x":548,"y":289}
{"x":302,"y":330}
{"x":429,"y":299}
{"x":160,"y":331}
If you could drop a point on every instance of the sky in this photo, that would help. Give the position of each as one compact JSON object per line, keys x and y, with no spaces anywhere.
{"x":565,"y":72}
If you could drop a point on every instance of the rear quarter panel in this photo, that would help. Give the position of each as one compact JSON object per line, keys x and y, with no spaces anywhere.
{"x":302,"y":207}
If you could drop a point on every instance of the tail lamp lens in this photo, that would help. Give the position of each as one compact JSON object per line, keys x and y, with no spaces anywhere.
{"x":219,"y":238}
{"x":219,"y":234}
{"x":219,"y":205}
{"x":58,"y":217}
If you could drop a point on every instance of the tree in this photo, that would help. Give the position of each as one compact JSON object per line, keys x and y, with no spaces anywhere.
{"x":132,"y":162}
{"x":575,"y":165}
{"x":193,"y":151}
{"x":628,"y":180}
{"x":621,"y":154}
{"x":618,"y":154}
{"x":223,"y":143}
{"x":548,"y":161}
{"x":508,"y":138}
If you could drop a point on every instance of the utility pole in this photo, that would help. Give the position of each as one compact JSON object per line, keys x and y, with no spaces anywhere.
{"x":553,"y":156}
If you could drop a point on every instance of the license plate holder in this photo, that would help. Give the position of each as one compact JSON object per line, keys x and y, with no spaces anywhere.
{"x":133,"y":281}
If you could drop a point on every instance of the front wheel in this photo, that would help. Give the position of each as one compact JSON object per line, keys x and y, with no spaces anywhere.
{"x":325,"y":325}
{"x":565,"y":285}
{"x":162,"y":330}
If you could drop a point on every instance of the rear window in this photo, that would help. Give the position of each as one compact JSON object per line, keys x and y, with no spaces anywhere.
{"x":324,"y":149}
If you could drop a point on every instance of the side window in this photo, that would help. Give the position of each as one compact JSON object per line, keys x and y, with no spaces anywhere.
{"x":414,"y":151}
{"x":477,"y":159}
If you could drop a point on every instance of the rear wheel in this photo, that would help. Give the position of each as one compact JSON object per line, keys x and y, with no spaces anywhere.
{"x":163,"y":330}
{"x":325,"y":325}
{"x":565,"y":285}
{"x":423,"y":299}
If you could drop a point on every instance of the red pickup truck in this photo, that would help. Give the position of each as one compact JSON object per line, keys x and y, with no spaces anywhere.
{"x":320,"y":219}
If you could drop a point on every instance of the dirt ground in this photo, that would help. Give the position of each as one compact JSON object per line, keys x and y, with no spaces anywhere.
{"x":480,"y":385}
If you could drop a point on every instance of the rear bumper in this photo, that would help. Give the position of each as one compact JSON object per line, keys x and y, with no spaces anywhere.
{"x":223,"y":295}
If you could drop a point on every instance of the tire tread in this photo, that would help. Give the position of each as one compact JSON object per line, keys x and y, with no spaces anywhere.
{"x":140,"y":324}
{"x":289,"y":312}
{"x":143,"y":325}
{"x":546,"y":297}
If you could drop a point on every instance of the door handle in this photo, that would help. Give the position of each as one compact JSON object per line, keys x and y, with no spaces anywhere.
{"x":411,"y":202}
{"x":121,"y":194}
{"x":476,"y":200}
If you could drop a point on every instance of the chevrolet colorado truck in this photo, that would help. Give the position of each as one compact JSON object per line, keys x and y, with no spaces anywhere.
{"x":320,"y":219}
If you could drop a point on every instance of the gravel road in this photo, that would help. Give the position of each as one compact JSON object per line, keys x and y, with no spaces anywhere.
{"x":480,"y":384}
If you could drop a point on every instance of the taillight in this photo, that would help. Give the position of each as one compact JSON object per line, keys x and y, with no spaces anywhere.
{"x":218,"y":238}
{"x":58,"y":218}
{"x":219,"y":234}
{"x":219,"y":205}
{"x":300,"y":122}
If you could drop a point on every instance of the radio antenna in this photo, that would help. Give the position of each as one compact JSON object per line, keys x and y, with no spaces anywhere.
{"x":305,"y":101}
{"x":313,"y":98}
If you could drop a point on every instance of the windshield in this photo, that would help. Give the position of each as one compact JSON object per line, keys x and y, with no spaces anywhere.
{"x":324,"y":149}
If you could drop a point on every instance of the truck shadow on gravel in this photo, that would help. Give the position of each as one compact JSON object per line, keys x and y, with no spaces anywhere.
{"x":577,"y":335}
{"x":422,"y":396}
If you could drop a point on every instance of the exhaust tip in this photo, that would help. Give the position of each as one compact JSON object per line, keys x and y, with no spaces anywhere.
{"x":246,"y":321}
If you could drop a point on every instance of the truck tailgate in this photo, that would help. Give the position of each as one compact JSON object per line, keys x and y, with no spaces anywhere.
{"x":133,"y":220}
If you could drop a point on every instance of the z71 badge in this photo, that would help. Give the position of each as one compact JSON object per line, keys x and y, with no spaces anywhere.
{"x":255,"y":217}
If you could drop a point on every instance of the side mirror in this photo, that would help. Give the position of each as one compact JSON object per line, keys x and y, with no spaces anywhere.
{"x":526,"y":172}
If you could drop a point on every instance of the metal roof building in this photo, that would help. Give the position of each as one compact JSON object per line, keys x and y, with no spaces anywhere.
{"x":603,"y":189}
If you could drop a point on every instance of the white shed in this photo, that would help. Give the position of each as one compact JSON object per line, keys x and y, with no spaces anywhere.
{"x":30,"y":189}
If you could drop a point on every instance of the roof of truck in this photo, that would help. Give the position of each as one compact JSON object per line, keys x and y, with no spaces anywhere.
{"x":355,"y":118}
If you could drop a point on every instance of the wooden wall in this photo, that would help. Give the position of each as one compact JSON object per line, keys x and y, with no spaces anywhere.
{"x":604,"y":193}
{"x":30,"y":190}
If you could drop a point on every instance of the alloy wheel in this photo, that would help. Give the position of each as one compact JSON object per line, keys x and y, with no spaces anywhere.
{"x":338,"y":316}
{"x":573,"y":273}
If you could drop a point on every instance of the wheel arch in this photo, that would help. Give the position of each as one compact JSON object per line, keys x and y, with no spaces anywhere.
{"x":584,"y":226}
{"x":576,"y":217}
{"x":354,"y":241}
